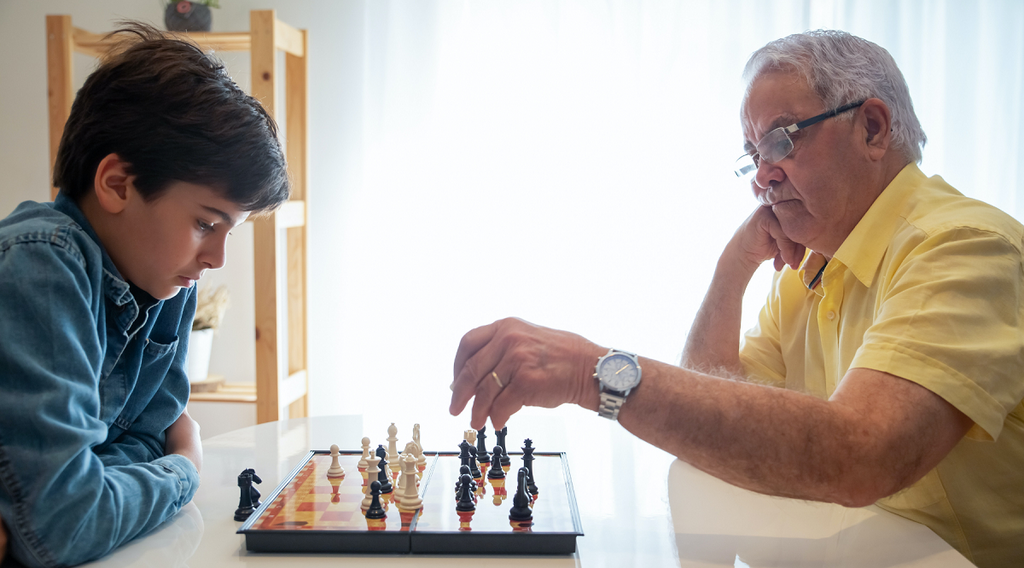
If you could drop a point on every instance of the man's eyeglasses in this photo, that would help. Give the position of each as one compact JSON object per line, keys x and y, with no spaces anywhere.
{"x":777,"y":144}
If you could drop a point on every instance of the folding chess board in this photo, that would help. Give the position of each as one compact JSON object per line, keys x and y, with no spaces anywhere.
{"x":310,"y":512}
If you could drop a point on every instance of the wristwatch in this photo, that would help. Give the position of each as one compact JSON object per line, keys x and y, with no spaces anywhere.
{"x":618,"y":372}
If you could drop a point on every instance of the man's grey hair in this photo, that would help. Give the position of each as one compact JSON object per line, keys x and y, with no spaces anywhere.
{"x":842,"y":68}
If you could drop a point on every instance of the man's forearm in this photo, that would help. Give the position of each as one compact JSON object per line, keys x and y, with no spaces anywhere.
{"x":790,"y":444}
{"x":713,"y":342}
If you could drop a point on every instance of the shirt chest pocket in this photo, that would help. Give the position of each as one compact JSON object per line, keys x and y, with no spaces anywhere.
{"x":135,"y":379}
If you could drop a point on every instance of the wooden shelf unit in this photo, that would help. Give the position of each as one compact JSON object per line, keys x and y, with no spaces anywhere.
{"x":281,"y":346}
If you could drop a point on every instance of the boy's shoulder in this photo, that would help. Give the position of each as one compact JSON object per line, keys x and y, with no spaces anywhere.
{"x":43,"y":223}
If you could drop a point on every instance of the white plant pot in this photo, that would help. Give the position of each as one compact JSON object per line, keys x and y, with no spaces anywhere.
{"x":197,"y":364}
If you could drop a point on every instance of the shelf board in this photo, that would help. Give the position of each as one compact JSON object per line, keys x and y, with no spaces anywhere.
{"x":228,"y":392}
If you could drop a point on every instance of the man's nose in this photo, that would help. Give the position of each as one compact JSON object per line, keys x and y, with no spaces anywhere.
{"x":766,"y":175}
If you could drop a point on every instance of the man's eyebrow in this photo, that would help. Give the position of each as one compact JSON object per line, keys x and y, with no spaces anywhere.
{"x":780,"y":122}
{"x":227,"y":218}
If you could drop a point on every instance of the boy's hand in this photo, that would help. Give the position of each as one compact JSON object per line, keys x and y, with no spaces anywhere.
{"x":3,"y":541}
{"x":183,"y":439}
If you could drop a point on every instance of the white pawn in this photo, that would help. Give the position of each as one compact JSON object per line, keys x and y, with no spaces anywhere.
{"x":336,"y":470}
{"x":372,"y":471}
{"x":393,"y":449}
{"x":364,"y":461}
{"x":410,"y":495}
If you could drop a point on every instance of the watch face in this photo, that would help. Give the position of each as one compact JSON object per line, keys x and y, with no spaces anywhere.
{"x":619,"y":372}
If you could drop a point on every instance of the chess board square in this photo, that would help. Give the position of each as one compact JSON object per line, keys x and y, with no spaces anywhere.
{"x":313,"y":506}
{"x":337,"y":516}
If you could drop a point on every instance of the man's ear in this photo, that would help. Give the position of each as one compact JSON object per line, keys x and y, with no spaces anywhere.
{"x":877,"y":126}
{"x":113,"y":185}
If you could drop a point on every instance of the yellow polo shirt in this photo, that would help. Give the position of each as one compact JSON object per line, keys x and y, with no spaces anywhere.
{"x":929,"y":287}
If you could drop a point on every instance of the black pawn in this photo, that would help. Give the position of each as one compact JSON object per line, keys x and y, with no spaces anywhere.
{"x":463,"y":470}
{"x":505,"y":461}
{"x":464,"y":454}
{"x":481,"y":447}
{"x":384,"y":476}
{"x":466,"y":502}
{"x":245,"y":505}
{"x":496,"y":472}
{"x":376,"y":510}
{"x":521,"y":502}
{"x":528,"y":458}
{"x":474,"y":469}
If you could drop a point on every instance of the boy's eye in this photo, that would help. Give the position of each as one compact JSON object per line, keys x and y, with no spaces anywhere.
{"x":204,"y":227}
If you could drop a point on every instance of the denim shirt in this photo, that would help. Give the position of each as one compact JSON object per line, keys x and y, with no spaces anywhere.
{"x":88,"y":384}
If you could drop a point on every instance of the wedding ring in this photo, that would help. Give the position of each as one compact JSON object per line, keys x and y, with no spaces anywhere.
{"x":497,"y":380}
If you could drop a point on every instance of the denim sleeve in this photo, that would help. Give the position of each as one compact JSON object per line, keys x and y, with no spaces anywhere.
{"x":60,"y":503}
{"x":145,"y":440}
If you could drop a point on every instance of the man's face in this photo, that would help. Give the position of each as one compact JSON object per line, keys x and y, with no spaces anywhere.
{"x":168,"y":243}
{"x":812,"y":190}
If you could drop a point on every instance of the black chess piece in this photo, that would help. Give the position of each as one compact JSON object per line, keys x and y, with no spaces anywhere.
{"x":466,"y":501}
{"x":252,"y":488}
{"x":481,"y":447}
{"x":496,"y":472}
{"x":505,"y":460}
{"x":521,"y":511}
{"x":384,"y":476}
{"x":464,"y":469}
{"x":464,"y":453}
{"x":528,"y":458}
{"x":474,"y":469}
{"x":247,"y":494}
{"x":376,"y":510}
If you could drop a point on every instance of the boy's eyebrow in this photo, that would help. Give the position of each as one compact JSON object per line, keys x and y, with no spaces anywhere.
{"x":227,"y":218}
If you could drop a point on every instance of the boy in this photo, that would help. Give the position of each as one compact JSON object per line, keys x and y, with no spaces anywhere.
{"x":161,"y":157}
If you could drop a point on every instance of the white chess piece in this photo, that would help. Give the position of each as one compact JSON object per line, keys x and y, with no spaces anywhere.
{"x":364,"y":461}
{"x":393,"y":464}
{"x":410,"y":495}
{"x":470,"y":436}
{"x":420,"y":458}
{"x":372,"y":472}
{"x":335,"y":470}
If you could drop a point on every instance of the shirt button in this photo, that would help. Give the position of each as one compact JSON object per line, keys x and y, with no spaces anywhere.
{"x":831,"y":315}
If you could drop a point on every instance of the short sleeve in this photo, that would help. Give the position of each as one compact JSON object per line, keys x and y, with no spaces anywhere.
{"x":761,"y":346}
{"x":949,"y":318}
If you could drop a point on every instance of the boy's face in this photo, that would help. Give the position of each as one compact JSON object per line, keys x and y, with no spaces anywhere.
{"x":169,"y":242}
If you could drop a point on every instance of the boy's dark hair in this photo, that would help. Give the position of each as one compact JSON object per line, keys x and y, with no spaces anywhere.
{"x":173,"y":114}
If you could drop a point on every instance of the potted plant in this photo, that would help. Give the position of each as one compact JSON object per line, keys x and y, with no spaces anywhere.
{"x":210,"y":308}
{"x":189,"y":16}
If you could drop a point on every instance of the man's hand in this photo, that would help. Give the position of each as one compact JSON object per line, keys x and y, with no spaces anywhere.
{"x":183,"y":439}
{"x":534,"y":366}
{"x":760,"y":238}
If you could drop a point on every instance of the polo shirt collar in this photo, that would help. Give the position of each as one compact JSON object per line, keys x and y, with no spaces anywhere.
{"x":863,"y":249}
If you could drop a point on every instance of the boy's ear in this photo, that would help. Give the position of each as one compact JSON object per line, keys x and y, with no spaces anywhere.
{"x":113,"y":184}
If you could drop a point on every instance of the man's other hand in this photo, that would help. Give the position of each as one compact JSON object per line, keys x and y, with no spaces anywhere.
{"x":760,"y":238}
{"x":510,"y":364}
{"x":183,"y":439}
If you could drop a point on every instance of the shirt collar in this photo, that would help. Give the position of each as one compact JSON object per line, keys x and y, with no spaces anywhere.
{"x":117,"y":290}
{"x":863,"y":249}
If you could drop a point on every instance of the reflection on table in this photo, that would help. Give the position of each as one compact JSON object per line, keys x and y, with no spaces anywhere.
{"x":638,"y":505}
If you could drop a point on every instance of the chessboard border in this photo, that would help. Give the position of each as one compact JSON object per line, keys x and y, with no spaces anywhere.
{"x":412,"y":540}
{"x":529,"y":543}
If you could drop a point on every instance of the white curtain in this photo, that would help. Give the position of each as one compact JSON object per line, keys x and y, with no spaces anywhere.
{"x":569,"y":163}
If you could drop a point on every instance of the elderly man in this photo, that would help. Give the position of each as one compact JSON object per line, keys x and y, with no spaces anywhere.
{"x":887,"y":366}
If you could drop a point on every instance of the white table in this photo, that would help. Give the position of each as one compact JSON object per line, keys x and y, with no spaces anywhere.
{"x":639,"y":507}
